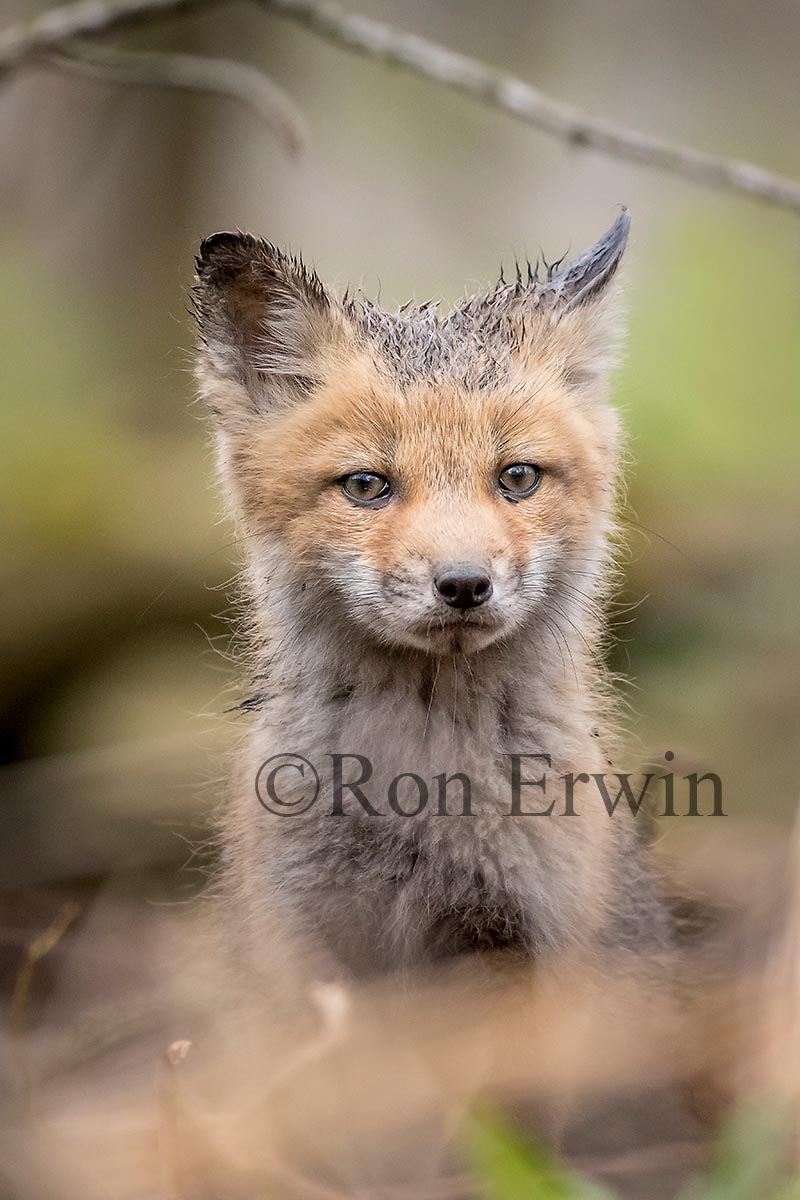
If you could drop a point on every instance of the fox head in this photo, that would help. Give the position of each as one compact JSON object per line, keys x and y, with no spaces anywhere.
{"x":439,"y":481}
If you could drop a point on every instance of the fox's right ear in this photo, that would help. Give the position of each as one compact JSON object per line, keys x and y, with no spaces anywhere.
{"x":266,"y":324}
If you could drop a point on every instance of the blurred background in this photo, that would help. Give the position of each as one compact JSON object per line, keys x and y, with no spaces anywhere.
{"x":116,"y":686}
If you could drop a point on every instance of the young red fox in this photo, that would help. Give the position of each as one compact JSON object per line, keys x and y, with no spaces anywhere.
{"x":426,"y":503}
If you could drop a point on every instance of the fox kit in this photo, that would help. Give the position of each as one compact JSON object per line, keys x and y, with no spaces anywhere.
{"x":426,"y":503}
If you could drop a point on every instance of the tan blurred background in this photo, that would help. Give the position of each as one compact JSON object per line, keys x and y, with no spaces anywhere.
{"x":113,"y":549}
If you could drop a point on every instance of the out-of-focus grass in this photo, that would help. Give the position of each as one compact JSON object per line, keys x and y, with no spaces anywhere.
{"x":109,"y":530}
{"x":710,"y":390}
{"x":510,"y":1168}
{"x":82,"y":472}
{"x":745,"y":1165}
{"x":712,"y":374}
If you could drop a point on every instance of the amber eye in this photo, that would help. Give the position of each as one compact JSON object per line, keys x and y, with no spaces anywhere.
{"x":519,"y":480}
{"x":365,"y":487}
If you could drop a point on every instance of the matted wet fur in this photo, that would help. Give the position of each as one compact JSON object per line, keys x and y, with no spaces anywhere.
{"x":357,"y":649}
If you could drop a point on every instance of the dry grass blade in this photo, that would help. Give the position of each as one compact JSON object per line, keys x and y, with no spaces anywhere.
{"x":35,"y":951}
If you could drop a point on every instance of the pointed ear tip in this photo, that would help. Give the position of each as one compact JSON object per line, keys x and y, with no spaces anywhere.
{"x":618,"y":233}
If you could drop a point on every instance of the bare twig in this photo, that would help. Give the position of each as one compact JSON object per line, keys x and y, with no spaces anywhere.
{"x":28,"y":40}
{"x":35,"y":951}
{"x":511,"y":95}
{"x":20,"y":44}
{"x":50,"y":31}
{"x":220,"y":76}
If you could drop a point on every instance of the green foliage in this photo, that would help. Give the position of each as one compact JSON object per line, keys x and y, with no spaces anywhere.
{"x":746,"y":1164}
{"x":712,"y":371}
{"x":746,"y":1160}
{"x":509,"y":1168}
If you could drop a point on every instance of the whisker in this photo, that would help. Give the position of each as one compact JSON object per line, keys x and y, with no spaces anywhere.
{"x":433,"y":689}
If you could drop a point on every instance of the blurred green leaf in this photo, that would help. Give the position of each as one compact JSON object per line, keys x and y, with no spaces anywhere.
{"x":747,"y":1159}
{"x":713,"y":366}
{"x":510,"y":1168}
{"x":789,"y":1191}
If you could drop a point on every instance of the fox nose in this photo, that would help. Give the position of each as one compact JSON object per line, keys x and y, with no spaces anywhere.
{"x":463,"y":585}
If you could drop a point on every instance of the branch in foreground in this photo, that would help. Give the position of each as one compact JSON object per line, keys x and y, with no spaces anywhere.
{"x":497,"y":89}
{"x":193,"y":72}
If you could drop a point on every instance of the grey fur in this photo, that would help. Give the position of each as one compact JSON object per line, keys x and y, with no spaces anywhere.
{"x":475,"y":339}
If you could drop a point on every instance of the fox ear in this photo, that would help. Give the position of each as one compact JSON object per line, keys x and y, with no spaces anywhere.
{"x":265,"y":323}
{"x":583,"y":317}
{"x":582,"y":282}
{"x":566,"y":321}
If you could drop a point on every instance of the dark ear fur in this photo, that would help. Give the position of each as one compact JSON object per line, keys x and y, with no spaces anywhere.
{"x":584,"y":280}
{"x":263,"y":318}
{"x":564,"y":319}
{"x":581,"y":325}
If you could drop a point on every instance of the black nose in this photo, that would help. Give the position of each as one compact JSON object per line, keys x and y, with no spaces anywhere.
{"x":463,"y":585}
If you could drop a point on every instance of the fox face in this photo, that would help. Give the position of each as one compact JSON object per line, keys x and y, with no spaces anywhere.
{"x":440,"y":481}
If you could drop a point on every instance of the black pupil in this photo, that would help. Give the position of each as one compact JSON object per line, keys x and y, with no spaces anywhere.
{"x":520,"y":476}
{"x":368,"y":485}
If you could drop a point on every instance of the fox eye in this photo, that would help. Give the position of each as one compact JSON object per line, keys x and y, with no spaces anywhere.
{"x":366,"y":487}
{"x":519,"y":480}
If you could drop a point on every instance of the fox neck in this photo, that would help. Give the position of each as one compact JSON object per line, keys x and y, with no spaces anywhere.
{"x":323,"y":679}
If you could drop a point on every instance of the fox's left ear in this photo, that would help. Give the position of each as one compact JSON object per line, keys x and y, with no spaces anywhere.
{"x":580,"y":325}
{"x":266,"y":325}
